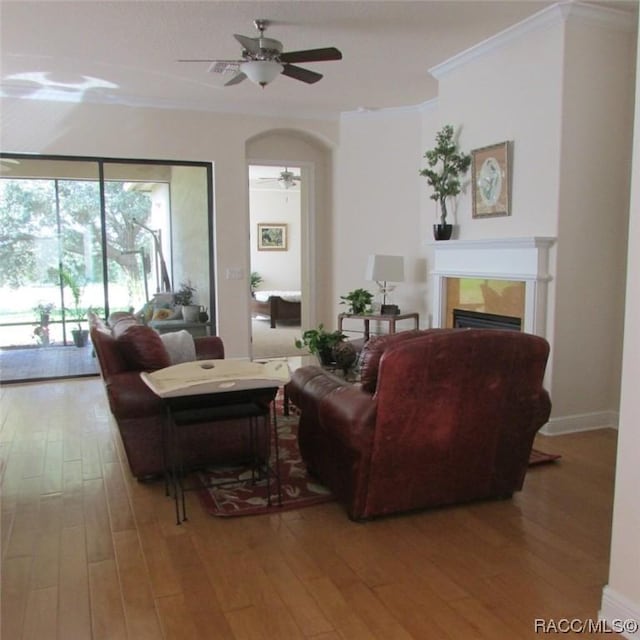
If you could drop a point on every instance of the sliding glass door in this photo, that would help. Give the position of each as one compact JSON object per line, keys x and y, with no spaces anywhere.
{"x":105,"y":235}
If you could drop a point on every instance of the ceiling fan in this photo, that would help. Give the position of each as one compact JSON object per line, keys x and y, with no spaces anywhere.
{"x":287,"y":179}
{"x":263,"y":60}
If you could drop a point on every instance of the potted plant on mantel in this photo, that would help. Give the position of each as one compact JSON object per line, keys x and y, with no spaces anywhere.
{"x":446,"y":166}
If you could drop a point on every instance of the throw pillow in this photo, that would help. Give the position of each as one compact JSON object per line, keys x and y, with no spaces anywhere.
{"x":179,"y":346}
{"x":143,"y":349}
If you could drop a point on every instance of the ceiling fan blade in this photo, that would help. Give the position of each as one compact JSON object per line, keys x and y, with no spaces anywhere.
{"x":252,"y":45}
{"x":298,"y":73}
{"x":237,"y":79}
{"x":312,"y":55}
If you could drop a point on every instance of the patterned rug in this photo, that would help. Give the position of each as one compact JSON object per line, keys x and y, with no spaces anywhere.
{"x":538,"y":457}
{"x":244,"y":498}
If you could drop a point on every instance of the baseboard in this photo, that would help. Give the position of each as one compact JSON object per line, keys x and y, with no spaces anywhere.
{"x":580,"y":422}
{"x":620,"y":613}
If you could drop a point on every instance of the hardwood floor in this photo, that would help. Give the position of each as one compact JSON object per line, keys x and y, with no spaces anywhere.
{"x":88,"y":552}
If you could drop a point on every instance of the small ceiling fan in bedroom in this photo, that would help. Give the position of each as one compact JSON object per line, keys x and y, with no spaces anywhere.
{"x":287,"y":179}
{"x":263,"y":60}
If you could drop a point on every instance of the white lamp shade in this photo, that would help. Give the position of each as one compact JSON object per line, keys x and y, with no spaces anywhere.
{"x":261,"y":72}
{"x":385,"y":268}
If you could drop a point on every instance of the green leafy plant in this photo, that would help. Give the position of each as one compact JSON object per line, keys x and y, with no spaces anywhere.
{"x":255,"y":281}
{"x":184,"y":295}
{"x":320,"y":342}
{"x":70,"y":281}
{"x":446,"y":165}
{"x":359,"y":301}
{"x":44,"y":308}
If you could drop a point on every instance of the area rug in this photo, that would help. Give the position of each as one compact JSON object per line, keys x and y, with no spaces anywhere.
{"x":244,"y":498}
{"x":538,"y":457}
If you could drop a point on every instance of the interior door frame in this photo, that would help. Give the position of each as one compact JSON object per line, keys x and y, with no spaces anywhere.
{"x":308,"y":284}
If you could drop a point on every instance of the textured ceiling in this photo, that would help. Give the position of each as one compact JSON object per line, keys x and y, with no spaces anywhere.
{"x":127,"y":52}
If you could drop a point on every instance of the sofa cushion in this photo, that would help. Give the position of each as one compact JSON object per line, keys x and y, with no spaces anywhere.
{"x":143,"y":349}
{"x":179,"y":345}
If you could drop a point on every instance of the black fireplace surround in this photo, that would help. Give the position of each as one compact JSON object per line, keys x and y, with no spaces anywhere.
{"x":463,"y":319}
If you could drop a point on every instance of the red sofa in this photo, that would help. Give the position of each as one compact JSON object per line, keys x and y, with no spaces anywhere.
{"x":123,"y":351}
{"x":441,"y":416}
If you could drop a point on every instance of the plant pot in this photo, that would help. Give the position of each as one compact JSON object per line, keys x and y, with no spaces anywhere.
{"x":190,"y":312}
{"x":442,"y":231}
{"x":326,"y":357}
{"x":80,"y":337}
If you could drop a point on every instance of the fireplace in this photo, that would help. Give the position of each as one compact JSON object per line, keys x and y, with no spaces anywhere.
{"x":465,"y":319}
{"x":520,"y":264}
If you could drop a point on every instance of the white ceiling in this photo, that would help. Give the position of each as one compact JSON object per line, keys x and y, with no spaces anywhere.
{"x":127,"y":52}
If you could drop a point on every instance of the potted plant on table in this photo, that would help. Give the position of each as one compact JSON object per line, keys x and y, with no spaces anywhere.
{"x":184,"y":297}
{"x":446,"y":166}
{"x":359,"y":301}
{"x":321,"y":343}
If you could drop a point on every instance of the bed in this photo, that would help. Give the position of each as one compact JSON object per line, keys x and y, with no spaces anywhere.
{"x":277,"y":306}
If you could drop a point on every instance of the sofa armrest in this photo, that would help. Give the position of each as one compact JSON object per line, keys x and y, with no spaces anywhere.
{"x":333,"y":403}
{"x":209,"y":348}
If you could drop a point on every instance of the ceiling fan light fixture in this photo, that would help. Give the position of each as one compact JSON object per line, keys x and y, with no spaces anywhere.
{"x":261,"y":72}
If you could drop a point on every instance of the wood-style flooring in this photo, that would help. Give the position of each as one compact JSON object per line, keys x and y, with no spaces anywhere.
{"x":88,"y":552}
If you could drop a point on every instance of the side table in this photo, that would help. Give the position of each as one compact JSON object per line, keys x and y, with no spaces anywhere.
{"x":225,"y":389}
{"x":255,"y":405}
{"x":390,"y":319}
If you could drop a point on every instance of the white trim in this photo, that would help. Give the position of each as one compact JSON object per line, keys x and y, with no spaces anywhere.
{"x":382,"y":112}
{"x":581,"y":422}
{"x":616,"y":607}
{"x":521,"y":259}
{"x":555,"y":14}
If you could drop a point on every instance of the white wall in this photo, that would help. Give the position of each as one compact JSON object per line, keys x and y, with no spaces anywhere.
{"x":190,"y":230}
{"x":377,"y":205}
{"x":280,"y":270}
{"x":593,"y":214}
{"x":116,"y":131}
{"x":621,"y":597}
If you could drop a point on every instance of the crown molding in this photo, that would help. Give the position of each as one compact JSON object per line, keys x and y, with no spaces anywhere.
{"x":382,"y":112}
{"x":556,"y":14}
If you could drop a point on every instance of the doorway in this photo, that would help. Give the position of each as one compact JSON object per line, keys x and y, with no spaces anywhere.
{"x":275,"y":217}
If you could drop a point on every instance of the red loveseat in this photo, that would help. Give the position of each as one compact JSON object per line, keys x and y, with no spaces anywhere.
{"x":123,"y":351}
{"x":441,"y":416}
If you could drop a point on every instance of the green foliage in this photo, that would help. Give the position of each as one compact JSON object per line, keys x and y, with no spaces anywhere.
{"x":359,"y":301}
{"x":446,"y":166}
{"x":184,"y":295}
{"x":33,"y":232}
{"x":320,"y":342}
{"x":255,"y":280}
{"x":70,"y":281}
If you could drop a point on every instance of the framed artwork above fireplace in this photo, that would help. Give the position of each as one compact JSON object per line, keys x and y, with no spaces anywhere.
{"x":491,"y":180}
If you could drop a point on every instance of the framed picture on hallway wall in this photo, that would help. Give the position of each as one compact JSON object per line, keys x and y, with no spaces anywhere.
{"x":491,"y":180}
{"x":272,"y":236}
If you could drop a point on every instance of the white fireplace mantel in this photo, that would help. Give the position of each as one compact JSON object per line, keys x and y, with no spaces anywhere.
{"x":520,"y":259}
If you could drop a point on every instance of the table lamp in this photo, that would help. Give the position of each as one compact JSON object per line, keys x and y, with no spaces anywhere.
{"x":383,"y":270}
